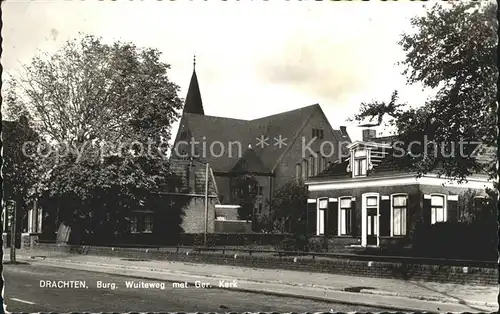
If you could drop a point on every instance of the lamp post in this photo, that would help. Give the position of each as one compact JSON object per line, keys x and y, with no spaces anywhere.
{"x":206,"y":204}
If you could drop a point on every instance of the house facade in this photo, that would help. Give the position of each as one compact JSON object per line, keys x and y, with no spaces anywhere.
{"x":274,"y":149}
{"x":368,"y":200}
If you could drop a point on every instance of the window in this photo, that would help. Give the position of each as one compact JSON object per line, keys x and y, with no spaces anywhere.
{"x":359,"y":163}
{"x":24,"y":224}
{"x":316,"y":164}
{"x":479,"y":205}
{"x":345,"y":215}
{"x":260,"y":190}
{"x":318,"y":133}
{"x":235,"y":191}
{"x":399,"y":205}
{"x":438,"y":213}
{"x":148,"y":223}
{"x":133,"y":224}
{"x":298,"y":171}
{"x":141,"y":222}
{"x":311,"y":166}
{"x":322,"y":206}
{"x":304,"y":169}
{"x":323,"y":164}
{"x":371,"y":209}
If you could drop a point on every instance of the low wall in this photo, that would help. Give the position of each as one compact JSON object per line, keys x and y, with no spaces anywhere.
{"x":23,"y":241}
{"x":439,"y":273}
{"x":236,"y":226}
{"x":232,"y":239}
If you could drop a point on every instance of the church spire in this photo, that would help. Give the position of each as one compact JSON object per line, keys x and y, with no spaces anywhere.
{"x":193,"y":102}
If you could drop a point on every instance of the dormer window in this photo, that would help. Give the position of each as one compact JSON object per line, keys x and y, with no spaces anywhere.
{"x":360,"y":163}
{"x":318,"y":133}
{"x":365,"y":157}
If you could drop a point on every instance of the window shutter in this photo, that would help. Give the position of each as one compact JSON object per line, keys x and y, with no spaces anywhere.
{"x":452,"y":208}
{"x":426,"y":210}
{"x":311,"y":218}
{"x":333,"y":217}
{"x":385,"y":217}
{"x":354,"y":230}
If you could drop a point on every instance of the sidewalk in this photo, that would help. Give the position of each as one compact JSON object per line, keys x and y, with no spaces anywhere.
{"x":390,"y":293}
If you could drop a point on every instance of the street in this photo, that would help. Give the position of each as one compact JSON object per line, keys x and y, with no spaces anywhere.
{"x":38,"y":288}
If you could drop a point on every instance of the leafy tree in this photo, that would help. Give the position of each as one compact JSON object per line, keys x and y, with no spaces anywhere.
{"x":288,"y":208}
{"x":246,"y":194}
{"x":91,"y":90}
{"x":454,"y":52}
{"x":19,"y":170}
{"x":105,"y":111}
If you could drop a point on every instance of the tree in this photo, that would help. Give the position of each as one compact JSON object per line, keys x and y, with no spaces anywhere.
{"x":19,"y":173}
{"x":288,"y":208}
{"x":246,"y":193}
{"x":18,"y":168}
{"x":105,"y":112}
{"x":454,"y":52}
{"x":89,"y":90}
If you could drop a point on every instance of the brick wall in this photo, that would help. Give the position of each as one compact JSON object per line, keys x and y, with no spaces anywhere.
{"x":453,"y":274}
{"x":194,"y":218}
{"x":335,"y":243}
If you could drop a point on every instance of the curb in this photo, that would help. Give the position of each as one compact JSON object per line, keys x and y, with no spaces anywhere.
{"x":430,"y":298}
{"x":323,"y":299}
{"x":247,"y":290}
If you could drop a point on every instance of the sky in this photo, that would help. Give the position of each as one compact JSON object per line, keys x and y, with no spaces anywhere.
{"x":254,"y":58}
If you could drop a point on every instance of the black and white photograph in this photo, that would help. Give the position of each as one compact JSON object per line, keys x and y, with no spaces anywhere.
{"x":249,"y":156}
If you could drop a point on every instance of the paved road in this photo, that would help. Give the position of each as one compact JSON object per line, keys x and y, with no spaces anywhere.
{"x":23,"y":292}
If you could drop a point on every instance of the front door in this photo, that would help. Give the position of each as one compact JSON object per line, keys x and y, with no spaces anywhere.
{"x":371,"y":226}
{"x":369,"y":219}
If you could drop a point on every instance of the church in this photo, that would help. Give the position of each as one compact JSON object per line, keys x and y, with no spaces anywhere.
{"x":275,"y":149}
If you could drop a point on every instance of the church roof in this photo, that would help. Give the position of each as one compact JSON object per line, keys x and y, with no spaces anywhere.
{"x":235,"y":135}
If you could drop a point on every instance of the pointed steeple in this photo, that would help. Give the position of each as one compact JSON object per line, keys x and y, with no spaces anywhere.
{"x":193,"y":102}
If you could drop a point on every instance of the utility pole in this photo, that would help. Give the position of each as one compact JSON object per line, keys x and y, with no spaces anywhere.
{"x":11,"y":206}
{"x":206,"y":203}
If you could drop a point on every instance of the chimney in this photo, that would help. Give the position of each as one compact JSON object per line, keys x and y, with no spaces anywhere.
{"x":343,"y":130}
{"x":369,"y":134}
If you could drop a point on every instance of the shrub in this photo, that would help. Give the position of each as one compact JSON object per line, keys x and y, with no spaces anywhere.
{"x":458,"y":240}
{"x":293,"y":243}
{"x":316,"y":245}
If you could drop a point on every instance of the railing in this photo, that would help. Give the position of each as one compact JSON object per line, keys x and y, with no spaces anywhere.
{"x":282,"y":253}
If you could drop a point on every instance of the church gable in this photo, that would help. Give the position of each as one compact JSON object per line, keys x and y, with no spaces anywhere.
{"x":250,"y":163}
